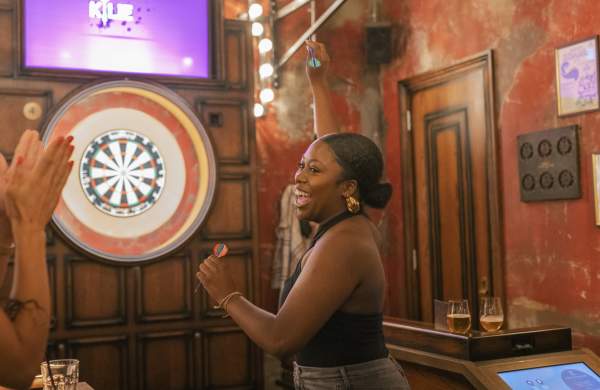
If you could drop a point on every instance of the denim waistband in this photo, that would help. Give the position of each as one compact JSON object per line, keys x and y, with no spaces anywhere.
{"x":340,"y":371}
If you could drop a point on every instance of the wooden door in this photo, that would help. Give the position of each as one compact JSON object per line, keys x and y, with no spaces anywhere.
{"x":451,"y":204}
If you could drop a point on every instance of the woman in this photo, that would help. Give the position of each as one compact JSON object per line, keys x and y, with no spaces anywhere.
{"x":331,"y":315}
{"x":29,"y":192}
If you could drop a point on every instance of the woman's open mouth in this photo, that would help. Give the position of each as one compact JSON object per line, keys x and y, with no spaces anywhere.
{"x":302,"y":198}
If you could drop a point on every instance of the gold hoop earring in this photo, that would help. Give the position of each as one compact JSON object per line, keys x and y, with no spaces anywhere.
{"x":352,"y":204}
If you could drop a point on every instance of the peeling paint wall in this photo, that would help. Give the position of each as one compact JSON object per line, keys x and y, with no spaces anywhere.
{"x":551,"y":249}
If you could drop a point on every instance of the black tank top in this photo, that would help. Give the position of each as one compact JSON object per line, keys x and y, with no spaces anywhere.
{"x":346,"y":338}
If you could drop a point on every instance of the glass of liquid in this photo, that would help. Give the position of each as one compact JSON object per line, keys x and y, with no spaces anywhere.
{"x":65,"y":374}
{"x":458,"y":316}
{"x":491,"y":316}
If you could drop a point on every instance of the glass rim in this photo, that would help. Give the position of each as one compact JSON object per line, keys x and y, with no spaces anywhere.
{"x":59,"y":362}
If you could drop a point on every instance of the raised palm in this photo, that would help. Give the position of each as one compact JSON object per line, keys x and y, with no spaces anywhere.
{"x":5,"y":232}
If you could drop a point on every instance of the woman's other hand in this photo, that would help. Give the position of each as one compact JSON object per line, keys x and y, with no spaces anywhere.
{"x":317,"y":74}
{"x":5,"y":231}
{"x":36,"y":178}
{"x":213,"y":275}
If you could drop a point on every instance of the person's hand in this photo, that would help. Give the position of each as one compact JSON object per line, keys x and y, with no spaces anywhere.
{"x":36,"y":178}
{"x":28,"y":148}
{"x":318,"y":74}
{"x":6,"y":238}
{"x":213,"y":275}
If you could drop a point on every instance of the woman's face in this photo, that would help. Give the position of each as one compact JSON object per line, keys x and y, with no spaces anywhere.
{"x":319,"y":190}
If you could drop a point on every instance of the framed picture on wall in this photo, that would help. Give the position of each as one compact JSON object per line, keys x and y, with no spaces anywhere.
{"x":577,"y":77}
{"x":596,"y":181}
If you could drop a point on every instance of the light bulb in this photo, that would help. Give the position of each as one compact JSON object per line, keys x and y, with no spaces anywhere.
{"x":265,"y":45}
{"x":255,"y":11}
{"x":257,"y":29}
{"x":266,"y":95}
{"x":265,"y":70}
{"x":259,"y":110}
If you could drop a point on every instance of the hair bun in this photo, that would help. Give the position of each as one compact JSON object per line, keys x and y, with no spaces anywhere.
{"x":379,"y":195}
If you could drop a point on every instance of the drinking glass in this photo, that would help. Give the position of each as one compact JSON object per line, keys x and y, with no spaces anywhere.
{"x":458,"y":316}
{"x":490,"y":314}
{"x":65,"y":373}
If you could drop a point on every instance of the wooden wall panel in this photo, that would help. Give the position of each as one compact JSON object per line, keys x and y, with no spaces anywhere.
{"x":12,"y":105}
{"x":102,"y":361}
{"x":237,"y":55}
{"x":7,"y":40}
{"x":163,"y":290}
{"x":227,"y":122}
{"x":239,"y":266}
{"x":165,"y":361}
{"x":95,"y":293}
{"x":230,"y":215}
{"x":227,"y":359}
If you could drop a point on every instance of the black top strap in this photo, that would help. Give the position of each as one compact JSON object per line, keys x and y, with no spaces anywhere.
{"x":324,"y":227}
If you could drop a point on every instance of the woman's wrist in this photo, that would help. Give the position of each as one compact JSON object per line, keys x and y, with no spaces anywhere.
{"x":27,"y":231}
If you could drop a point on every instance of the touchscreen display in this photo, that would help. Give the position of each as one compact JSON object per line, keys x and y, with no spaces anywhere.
{"x":574,"y":376}
{"x":132,"y":36}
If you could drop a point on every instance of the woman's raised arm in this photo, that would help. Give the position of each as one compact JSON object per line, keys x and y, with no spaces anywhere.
{"x":317,"y":65}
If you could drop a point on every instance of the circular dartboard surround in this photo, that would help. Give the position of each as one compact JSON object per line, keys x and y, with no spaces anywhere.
{"x":144,"y":175}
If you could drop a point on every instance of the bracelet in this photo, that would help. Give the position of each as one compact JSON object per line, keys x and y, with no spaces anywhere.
{"x":7,"y":250}
{"x":225,"y":301}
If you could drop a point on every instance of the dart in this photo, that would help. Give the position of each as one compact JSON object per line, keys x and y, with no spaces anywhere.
{"x":219,"y":250}
{"x":313,"y":62}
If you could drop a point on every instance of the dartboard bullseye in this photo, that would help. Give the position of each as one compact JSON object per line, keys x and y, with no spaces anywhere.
{"x":122,"y":173}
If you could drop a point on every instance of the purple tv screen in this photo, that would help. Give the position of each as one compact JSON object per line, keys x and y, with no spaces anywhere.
{"x":157,"y":37}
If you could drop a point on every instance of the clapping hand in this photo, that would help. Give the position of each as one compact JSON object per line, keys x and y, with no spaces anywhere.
{"x":35,"y":179}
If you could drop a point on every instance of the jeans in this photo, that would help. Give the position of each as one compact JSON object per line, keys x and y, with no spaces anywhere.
{"x":375,"y":374}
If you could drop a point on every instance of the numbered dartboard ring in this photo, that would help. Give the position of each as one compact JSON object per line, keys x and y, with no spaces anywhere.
{"x":146,"y":171}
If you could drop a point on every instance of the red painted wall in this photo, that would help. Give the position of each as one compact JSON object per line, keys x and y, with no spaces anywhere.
{"x":551,"y":249}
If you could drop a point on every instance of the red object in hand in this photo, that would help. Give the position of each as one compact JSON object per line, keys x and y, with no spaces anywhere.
{"x":220,"y":250}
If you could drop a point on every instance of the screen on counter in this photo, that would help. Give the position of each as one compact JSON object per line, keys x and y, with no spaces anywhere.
{"x":155,"y":37}
{"x":574,"y":376}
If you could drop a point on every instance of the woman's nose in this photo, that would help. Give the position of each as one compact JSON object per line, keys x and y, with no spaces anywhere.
{"x":299,"y":176}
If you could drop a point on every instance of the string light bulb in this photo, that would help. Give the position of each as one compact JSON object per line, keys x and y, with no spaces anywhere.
{"x":265,"y":71}
{"x":265,"y":45}
{"x":259,"y":110}
{"x":266,"y":95}
{"x":255,"y":11}
{"x":257,"y":29}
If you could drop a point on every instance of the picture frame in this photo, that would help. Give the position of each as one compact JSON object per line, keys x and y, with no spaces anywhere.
{"x":577,"y":83}
{"x":596,"y":183}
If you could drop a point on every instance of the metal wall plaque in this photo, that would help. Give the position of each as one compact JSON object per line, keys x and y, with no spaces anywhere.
{"x":549,"y":165}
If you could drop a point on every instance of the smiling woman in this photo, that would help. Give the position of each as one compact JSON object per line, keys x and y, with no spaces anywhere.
{"x":331,"y":312}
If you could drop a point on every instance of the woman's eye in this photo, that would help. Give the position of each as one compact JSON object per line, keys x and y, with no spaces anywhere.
{"x":300,"y":165}
{"x":313,"y":170}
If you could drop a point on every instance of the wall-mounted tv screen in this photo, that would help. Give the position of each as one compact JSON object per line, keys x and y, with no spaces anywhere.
{"x":157,"y":37}
{"x":573,"y":376}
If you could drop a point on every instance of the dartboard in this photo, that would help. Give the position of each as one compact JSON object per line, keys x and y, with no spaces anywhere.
{"x":146,"y":172}
{"x":122,"y":173}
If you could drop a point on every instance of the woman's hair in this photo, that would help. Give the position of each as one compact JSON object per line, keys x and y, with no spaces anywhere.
{"x":361,"y":160}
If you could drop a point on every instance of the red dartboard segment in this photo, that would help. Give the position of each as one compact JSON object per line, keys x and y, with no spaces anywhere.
{"x":197,"y":162}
